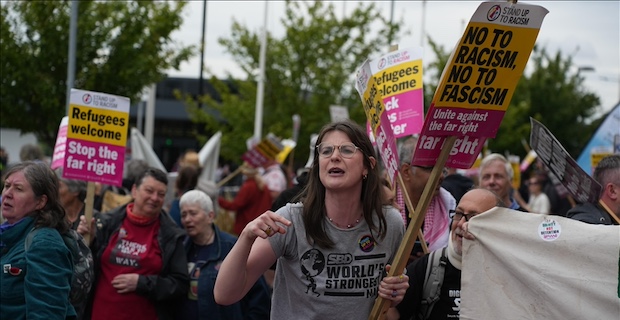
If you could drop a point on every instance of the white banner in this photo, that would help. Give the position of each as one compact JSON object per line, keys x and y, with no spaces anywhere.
{"x":209,"y":156}
{"x":534,"y":266}
{"x":142,"y":150}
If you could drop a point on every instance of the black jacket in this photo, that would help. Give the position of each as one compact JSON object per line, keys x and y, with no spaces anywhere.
{"x":165,"y":289}
{"x":590,"y":213}
{"x":448,"y":305}
{"x":457,"y":185}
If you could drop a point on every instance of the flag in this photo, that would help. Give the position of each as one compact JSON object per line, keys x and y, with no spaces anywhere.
{"x":142,"y":150}
{"x":209,"y":157}
{"x":603,"y":138}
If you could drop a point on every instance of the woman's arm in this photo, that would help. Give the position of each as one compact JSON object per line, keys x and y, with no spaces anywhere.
{"x":249,"y":258}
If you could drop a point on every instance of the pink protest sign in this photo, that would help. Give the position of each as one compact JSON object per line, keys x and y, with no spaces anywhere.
{"x":478,"y":83}
{"x":96,"y":137}
{"x":58,"y":158}
{"x":398,"y":77}
{"x":377,"y":117}
{"x":462,"y":155}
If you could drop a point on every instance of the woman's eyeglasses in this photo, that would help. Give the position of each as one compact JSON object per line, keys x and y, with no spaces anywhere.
{"x":346,"y":150}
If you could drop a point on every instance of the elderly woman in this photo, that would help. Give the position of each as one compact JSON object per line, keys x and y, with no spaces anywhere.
{"x":333,"y":248}
{"x":140,"y":265}
{"x":35,"y":283}
{"x":72,"y":194}
{"x":206,"y":247}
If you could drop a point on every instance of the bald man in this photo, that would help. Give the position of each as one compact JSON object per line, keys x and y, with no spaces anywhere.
{"x":473,"y":203}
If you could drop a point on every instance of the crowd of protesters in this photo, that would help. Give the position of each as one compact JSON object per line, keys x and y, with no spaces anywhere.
{"x":158,"y":260}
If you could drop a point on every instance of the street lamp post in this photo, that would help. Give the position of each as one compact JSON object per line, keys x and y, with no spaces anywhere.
{"x":258,"y":116}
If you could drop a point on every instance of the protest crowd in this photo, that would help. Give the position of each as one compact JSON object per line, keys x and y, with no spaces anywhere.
{"x":373,"y":226}
{"x":148,"y":264}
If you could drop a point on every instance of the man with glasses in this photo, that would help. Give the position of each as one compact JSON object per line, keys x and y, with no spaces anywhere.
{"x":436,"y":225}
{"x":447,"y":306}
{"x":607,"y":174}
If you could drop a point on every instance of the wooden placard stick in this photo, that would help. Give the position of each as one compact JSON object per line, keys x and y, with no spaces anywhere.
{"x":230,"y":176}
{"x":613,"y":216}
{"x":88,"y":208}
{"x":408,"y":203}
{"x":402,"y":255}
{"x":412,"y":211}
{"x":571,"y":200}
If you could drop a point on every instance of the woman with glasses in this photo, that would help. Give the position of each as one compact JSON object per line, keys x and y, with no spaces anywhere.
{"x":332,"y":248}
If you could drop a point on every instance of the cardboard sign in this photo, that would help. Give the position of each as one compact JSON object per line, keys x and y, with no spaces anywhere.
{"x":478,"y":83}
{"x":58,"y":158}
{"x":374,"y":108}
{"x":398,"y":76}
{"x":264,"y":152}
{"x":549,"y":150}
{"x":96,"y":137}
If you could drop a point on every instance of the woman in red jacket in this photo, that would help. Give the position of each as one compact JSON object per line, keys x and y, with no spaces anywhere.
{"x":251,"y":201}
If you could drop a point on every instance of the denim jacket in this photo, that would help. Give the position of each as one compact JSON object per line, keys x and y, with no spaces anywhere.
{"x":255,"y":305}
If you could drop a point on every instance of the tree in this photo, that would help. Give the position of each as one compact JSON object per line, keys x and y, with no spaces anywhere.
{"x":307,"y":70}
{"x":554,"y":94}
{"x":121,"y":48}
{"x":551,"y":92}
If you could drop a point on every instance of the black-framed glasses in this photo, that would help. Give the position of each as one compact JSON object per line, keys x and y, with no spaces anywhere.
{"x":457,"y":215}
{"x":347,"y":150}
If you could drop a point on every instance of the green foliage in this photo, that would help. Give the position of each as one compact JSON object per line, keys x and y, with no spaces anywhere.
{"x":549,"y":91}
{"x":434,"y":69}
{"x":122,"y":47}
{"x":310,"y":68}
{"x":554,"y":94}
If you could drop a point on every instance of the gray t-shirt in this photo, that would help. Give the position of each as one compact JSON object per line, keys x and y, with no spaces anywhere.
{"x":338,"y":283}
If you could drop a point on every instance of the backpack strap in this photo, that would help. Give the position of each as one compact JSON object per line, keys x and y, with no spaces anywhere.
{"x":433,"y":280}
{"x":29,"y":237}
{"x":71,"y":246}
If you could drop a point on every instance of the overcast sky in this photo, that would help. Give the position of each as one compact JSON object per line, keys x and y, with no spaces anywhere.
{"x":588,"y":30}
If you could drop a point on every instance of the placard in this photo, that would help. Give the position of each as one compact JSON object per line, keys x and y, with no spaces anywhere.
{"x":96,"y":137}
